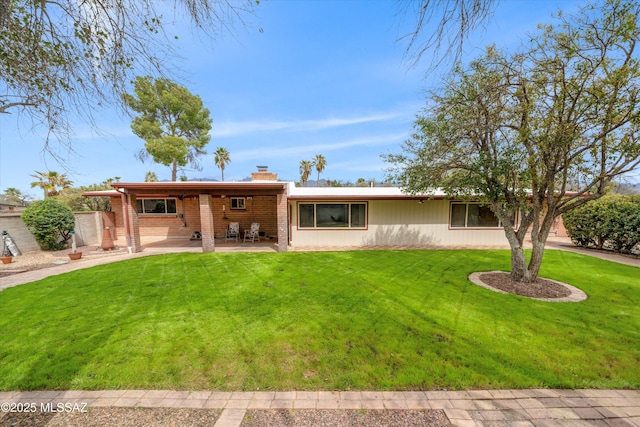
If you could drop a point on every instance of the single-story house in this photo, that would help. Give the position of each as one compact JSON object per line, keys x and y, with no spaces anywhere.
{"x":298,"y":216}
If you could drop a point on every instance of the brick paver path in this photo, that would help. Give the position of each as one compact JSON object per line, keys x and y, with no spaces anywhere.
{"x":463,"y":408}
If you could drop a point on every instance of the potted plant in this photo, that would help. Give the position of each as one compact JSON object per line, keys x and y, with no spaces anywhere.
{"x":6,"y":256}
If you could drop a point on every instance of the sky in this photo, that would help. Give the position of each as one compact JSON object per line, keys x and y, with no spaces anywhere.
{"x":301,"y":78}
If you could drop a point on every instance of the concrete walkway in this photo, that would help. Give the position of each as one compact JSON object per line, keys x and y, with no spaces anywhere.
{"x":564,"y":244}
{"x":463,"y":408}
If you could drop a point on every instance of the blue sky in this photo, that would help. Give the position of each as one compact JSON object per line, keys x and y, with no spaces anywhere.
{"x":302,"y":78}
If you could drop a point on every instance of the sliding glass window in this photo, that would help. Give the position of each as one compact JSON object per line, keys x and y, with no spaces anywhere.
{"x":473,"y":215}
{"x":332,"y":215}
{"x":156,"y":206}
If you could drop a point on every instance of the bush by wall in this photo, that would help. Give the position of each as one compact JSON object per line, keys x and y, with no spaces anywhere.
{"x":50,"y":222}
{"x":612,"y":222}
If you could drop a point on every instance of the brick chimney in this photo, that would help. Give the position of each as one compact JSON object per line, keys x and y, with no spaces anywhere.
{"x":263,"y":175}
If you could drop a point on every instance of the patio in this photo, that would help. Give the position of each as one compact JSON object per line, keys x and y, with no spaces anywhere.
{"x":221,"y":245}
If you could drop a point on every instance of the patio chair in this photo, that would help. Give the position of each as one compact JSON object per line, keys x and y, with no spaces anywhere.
{"x":253,"y":233}
{"x":233,"y":232}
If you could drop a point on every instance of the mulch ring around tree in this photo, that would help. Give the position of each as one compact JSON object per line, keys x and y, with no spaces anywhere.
{"x":541,"y":289}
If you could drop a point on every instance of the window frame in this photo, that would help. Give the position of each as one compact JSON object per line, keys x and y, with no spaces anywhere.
{"x":140,"y":204}
{"x":466,"y":218}
{"x":349,"y":225}
{"x":238,"y":200}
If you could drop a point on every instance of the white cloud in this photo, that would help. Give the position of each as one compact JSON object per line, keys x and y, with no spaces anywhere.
{"x":310,"y":150}
{"x":230,"y":128}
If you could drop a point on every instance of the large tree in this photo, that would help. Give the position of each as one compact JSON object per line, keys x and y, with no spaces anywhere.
{"x":70,"y":57}
{"x":537,"y":133}
{"x":173,"y":123}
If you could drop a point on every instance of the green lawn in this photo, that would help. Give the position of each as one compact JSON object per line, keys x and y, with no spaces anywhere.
{"x":383,"y":320}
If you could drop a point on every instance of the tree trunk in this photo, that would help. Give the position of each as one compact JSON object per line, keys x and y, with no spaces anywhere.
{"x":538,"y":241}
{"x":536,"y":257}
{"x":174,"y":171}
{"x":519,"y":271}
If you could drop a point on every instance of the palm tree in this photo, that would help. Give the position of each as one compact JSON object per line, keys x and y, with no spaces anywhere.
{"x":151,"y":177}
{"x":319,"y":162}
{"x":222,"y":159}
{"x":305,"y":171}
{"x":50,"y":182}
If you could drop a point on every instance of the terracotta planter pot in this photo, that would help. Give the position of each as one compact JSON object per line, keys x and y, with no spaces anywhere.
{"x":7,"y":259}
{"x":75,"y":255}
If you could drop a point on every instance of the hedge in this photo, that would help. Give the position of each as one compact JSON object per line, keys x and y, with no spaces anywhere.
{"x":612,"y":222}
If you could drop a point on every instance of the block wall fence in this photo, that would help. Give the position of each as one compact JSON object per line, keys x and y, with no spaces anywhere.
{"x":89,"y":229}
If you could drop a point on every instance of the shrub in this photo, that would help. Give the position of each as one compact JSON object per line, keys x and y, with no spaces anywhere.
{"x":612,"y":222}
{"x":586,"y":224}
{"x":50,"y":222}
{"x":623,"y":223}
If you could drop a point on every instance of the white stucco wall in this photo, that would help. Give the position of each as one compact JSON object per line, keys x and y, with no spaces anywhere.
{"x":399,"y":222}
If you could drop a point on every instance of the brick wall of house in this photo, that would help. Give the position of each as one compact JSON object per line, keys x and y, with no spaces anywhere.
{"x":263,"y":175}
{"x":260,"y":209}
{"x":172,"y":225}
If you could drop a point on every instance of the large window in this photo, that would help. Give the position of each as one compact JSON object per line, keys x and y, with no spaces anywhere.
{"x":473,"y":215}
{"x":332,"y":215}
{"x":156,"y":206}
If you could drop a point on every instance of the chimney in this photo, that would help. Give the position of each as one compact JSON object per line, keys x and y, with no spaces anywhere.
{"x":263,"y":174}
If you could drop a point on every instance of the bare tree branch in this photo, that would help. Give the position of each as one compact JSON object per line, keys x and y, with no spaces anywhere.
{"x":73,"y":57}
{"x":442,"y":27}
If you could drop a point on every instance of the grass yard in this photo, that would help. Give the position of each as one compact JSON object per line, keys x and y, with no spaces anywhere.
{"x":379,"y":320}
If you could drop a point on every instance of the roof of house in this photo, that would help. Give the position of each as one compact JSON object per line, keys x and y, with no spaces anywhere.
{"x":293,"y":192}
{"x":190,"y":187}
{"x":102,"y":193}
{"x":355,"y":193}
{"x":198,"y":185}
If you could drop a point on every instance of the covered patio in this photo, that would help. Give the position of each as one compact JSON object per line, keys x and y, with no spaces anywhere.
{"x":198,"y":214}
